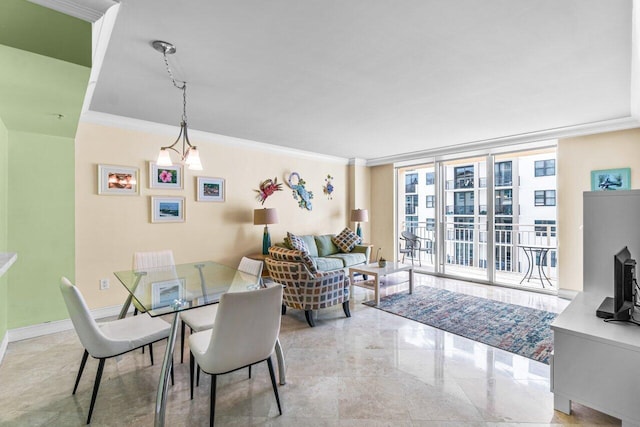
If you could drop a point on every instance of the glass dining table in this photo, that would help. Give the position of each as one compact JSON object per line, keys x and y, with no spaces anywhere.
{"x":169,"y":290}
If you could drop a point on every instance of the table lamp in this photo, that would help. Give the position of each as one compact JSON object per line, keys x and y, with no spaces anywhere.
{"x":265,"y":216}
{"x":358,"y":216}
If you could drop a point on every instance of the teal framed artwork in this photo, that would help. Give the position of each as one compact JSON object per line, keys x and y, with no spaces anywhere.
{"x":611,"y":179}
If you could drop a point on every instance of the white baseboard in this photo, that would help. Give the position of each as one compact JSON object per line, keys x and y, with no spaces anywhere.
{"x":46,"y":328}
{"x":3,"y":346}
{"x":567,"y":294}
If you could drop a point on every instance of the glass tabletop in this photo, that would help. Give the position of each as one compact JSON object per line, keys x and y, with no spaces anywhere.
{"x":183,"y":286}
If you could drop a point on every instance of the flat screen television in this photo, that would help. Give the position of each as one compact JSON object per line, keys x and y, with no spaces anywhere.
{"x":620,"y":307}
{"x":623,"y":276}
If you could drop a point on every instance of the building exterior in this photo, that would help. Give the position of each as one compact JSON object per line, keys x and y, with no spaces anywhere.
{"x":524,"y":211}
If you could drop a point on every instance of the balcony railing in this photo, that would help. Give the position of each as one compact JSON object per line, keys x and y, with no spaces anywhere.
{"x":465,"y":249}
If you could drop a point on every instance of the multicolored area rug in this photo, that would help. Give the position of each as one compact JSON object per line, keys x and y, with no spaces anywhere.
{"x":520,"y":330}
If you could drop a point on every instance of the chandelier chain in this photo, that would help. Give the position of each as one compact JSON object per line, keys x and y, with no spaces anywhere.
{"x":182,"y":87}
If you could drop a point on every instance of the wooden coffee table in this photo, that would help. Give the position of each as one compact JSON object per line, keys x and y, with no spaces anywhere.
{"x":377,"y":273}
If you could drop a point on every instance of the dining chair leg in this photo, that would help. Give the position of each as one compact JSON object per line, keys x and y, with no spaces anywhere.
{"x":273,"y":383}
{"x":345,"y":308}
{"x":191,"y":363}
{"x":197,"y":375}
{"x":85,"y":356}
{"x":309,"y":315}
{"x":182,"y":330}
{"x":151,"y":353}
{"x":172,"y":378}
{"x":249,"y":371}
{"x":212,"y":411}
{"x":96,"y":386}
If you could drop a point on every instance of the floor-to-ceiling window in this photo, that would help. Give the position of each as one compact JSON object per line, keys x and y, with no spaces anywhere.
{"x":488,"y":217}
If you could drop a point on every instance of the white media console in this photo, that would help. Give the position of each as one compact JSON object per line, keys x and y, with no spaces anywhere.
{"x":595,"y":363}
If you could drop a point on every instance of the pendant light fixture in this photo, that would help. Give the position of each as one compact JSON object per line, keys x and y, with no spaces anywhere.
{"x":189,"y":155}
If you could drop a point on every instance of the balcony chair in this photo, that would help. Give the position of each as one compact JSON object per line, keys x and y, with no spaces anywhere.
{"x":200,"y":319}
{"x":244,"y":333}
{"x":108,"y":339}
{"x":415,"y":245}
{"x":307,"y":290}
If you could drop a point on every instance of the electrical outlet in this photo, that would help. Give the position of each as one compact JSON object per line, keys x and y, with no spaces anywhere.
{"x":104,"y":284}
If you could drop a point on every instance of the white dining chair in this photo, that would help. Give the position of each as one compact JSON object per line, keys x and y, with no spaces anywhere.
{"x":202,"y":318}
{"x":108,"y":339}
{"x":244,"y":334}
{"x":151,"y":260}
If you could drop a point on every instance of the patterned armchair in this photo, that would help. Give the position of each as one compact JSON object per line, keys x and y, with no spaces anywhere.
{"x":304,"y":287}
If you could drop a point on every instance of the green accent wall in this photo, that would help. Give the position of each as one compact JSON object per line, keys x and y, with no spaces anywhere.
{"x":46,"y":58}
{"x":41,"y":200}
{"x":4,"y":186}
{"x":33,"y":28}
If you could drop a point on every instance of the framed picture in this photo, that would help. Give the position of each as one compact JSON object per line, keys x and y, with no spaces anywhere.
{"x":169,"y":177}
{"x":121,"y":180}
{"x":210,"y":189}
{"x":611,"y":179}
{"x":164,"y":293}
{"x":167,"y":209}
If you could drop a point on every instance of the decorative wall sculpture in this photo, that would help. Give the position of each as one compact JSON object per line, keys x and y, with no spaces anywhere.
{"x":267,"y":188}
{"x":328,"y":187}
{"x":300,"y":193}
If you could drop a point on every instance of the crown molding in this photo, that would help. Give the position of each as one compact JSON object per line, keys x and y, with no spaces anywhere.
{"x":87,"y":10}
{"x":357,"y":162}
{"x":612,"y":125}
{"x":111,"y":120}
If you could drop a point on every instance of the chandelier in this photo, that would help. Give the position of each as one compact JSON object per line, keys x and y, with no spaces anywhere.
{"x":189,"y":155}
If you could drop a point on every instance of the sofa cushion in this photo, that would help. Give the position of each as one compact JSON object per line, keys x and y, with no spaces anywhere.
{"x":325,"y":245}
{"x":329,"y":263}
{"x":297,"y":243}
{"x":292,"y":255}
{"x":310,"y":241}
{"x":349,"y":259}
{"x":346,"y":240}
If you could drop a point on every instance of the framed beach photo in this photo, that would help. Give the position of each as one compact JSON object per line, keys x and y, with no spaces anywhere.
{"x":119,"y":180}
{"x":167,"y":209}
{"x":210,"y":189}
{"x":611,"y":179}
{"x":166,"y":292}
{"x":167,"y":177}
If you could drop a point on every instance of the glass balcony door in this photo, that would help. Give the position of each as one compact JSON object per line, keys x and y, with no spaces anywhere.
{"x":464,"y":236}
{"x":488,"y":218}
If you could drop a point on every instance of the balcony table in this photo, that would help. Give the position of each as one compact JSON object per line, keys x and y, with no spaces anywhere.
{"x":169,"y":290}
{"x":530,"y":252}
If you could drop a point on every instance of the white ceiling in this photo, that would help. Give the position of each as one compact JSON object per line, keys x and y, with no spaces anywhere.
{"x":372,"y":79}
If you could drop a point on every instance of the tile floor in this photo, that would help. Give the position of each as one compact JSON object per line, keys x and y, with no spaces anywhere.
{"x":373,"y":369}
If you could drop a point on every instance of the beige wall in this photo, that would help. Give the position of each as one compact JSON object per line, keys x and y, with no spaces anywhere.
{"x":382,"y":212}
{"x":110,"y":228}
{"x":577,"y":157}
{"x":360,"y":196}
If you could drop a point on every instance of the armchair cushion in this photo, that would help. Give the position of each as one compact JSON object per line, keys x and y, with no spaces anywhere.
{"x":305,"y":291}
{"x":346,"y":240}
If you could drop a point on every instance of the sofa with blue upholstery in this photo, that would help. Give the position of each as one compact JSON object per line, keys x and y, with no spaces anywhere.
{"x":326,"y":255}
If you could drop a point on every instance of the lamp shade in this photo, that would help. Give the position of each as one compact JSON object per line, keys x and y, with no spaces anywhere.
{"x":359,"y":215}
{"x":265,"y":216}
